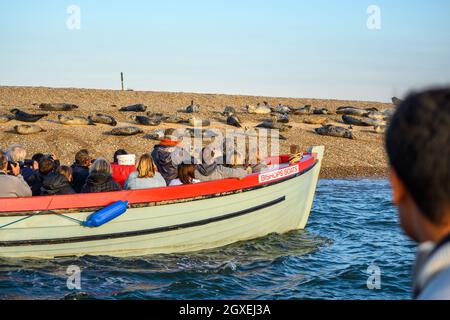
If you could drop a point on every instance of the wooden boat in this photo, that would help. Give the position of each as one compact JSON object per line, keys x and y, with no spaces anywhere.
{"x":167,"y":220}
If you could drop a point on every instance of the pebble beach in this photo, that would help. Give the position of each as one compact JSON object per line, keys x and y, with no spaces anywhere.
{"x":362,"y":157}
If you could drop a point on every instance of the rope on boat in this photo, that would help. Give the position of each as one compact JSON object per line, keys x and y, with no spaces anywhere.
{"x":17,"y":221}
{"x":71,"y":219}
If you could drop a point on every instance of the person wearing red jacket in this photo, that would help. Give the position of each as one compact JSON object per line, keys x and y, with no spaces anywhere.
{"x":120,"y":172}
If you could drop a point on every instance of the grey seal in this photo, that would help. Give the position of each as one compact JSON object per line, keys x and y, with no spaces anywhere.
{"x":273,"y":124}
{"x":57,"y":106}
{"x":6,"y":118}
{"x":25,"y":129}
{"x":126,"y":131}
{"x":193,"y":108}
{"x":27,"y":117}
{"x":103,"y":119}
{"x":75,"y":121}
{"x":335,"y":131}
{"x":302,"y":110}
{"x":363,"y":122}
{"x":134,"y":108}
{"x":145,"y":121}
{"x":234,"y":121}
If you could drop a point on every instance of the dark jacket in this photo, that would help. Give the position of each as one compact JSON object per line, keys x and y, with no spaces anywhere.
{"x":79,"y":175}
{"x":56,"y":184}
{"x":100,"y":182}
{"x":162,"y":156}
{"x":35,"y":183}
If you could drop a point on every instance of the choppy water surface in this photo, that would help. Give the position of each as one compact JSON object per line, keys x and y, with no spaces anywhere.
{"x":352,"y":226}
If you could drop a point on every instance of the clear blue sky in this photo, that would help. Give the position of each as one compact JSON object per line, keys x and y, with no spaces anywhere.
{"x":293,"y":48}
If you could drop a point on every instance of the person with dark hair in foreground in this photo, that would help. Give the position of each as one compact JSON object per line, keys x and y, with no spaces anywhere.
{"x":418,"y":146}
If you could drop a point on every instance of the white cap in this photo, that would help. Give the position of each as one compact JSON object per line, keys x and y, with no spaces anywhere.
{"x":127,"y":160}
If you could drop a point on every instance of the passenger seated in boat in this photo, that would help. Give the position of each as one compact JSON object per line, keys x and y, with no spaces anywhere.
{"x":17,"y":154}
{"x":47,"y":165}
{"x":12,"y":186}
{"x":236,"y":161}
{"x":162,"y":155}
{"x":100,"y":178}
{"x":186,"y":175}
{"x":210,"y":170}
{"x":80,"y":169}
{"x":58,"y":183}
{"x":146,"y":176}
{"x":122,"y":166}
{"x":29,"y":170}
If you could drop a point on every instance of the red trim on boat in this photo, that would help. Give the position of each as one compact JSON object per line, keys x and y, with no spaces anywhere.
{"x":93,"y":200}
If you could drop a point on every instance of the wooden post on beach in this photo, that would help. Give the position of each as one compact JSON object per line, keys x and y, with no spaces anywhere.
{"x":121,"y":80}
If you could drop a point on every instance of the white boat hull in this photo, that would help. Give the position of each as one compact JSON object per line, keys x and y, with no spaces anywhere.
{"x":172,"y":228}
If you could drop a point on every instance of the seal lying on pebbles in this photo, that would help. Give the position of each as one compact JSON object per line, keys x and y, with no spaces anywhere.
{"x":126,"y":131}
{"x":302,"y":110}
{"x":25,"y":129}
{"x":234,"y":121}
{"x":320,"y":111}
{"x":316,"y":120}
{"x":195,"y":122}
{"x":335,"y":131}
{"x":6,"y":118}
{"x":145,"y":121}
{"x":363,"y":122}
{"x":273,"y":124}
{"x":229,"y":111}
{"x":157,"y":135}
{"x":75,"y":121}
{"x":134,"y":108}
{"x":103,"y":119}
{"x":352,"y":111}
{"x":259,"y":109}
{"x":193,"y":108}
{"x":57,"y":107}
{"x":281,"y":109}
{"x":26,"y":117}
{"x":283,"y":118}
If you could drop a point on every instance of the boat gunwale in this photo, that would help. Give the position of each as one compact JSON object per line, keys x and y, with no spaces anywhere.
{"x":168,"y":202}
{"x":155,"y":204}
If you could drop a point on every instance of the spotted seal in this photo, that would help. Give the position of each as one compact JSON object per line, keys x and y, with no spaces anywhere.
{"x":134,"y":108}
{"x":259,"y":109}
{"x":103,"y":119}
{"x":25,"y":129}
{"x":302,"y":110}
{"x":193,"y":108}
{"x":126,"y":131}
{"x":75,"y":121}
{"x":363,"y":122}
{"x":6,"y":118}
{"x":57,"y":106}
{"x":234,"y":121}
{"x":146,"y":121}
{"x":26,"y":117}
{"x":335,"y":131}
{"x":274,"y":124}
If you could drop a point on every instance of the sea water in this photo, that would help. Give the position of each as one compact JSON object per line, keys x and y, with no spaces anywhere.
{"x":353,"y":248}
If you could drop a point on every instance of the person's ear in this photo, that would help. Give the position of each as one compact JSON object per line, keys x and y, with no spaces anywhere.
{"x":398,"y":188}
